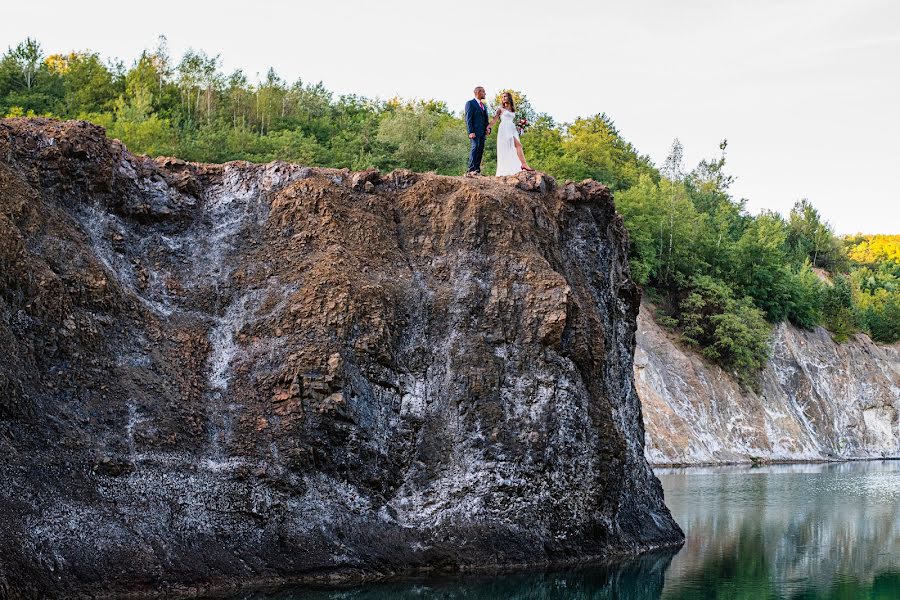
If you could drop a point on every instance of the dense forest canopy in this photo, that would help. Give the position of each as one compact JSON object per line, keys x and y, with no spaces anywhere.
{"x":719,"y":275}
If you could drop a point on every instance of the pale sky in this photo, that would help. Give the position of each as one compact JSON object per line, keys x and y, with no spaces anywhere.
{"x":807,"y":92}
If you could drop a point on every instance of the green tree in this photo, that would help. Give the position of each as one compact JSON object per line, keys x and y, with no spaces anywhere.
{"x":708,"y":186}
{"x":761,"y":269}
{"x":27,"y":58}
{"x":593,"y":148}
{"x":27,"y":81}
{"x":90,"y":86}
{"x":806,"y":295}
{"x":663,"y":226}
{"x":139,"y":129}
{"x":811,"y":238}
{"x":876,"y":293}
{"x":729,"y":331}
{"x":837,"y":308}
{"x":197,"y":76}
{"x":425,"y":140}
{"x":641,"y":207}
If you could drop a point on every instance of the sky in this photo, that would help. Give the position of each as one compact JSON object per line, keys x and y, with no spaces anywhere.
{"x":807,"y":92}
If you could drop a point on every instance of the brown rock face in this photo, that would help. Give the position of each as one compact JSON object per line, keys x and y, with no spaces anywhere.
{"x":224,"y":373}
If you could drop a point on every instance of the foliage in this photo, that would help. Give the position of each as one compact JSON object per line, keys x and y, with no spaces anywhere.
{"x":810,"y":237}
{"x":837,"y":308}
{"x":871,"y":249}
{"x":424,"y":138}
{"x":88,"y":84}
{"x":711,"y":266}
{"x":761,"y":269}
{"x":730,"y":331}
{"x":25,"y":60}
{"x":662,"y":223}
{"x":806,"y":295}
{"x":593,"y":148}
{"x":876,"y":284}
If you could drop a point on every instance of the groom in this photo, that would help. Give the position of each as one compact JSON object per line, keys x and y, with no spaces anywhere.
{"x":477,"y":124}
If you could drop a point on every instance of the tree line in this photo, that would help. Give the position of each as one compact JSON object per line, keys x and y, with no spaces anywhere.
{"x":718,"y":275}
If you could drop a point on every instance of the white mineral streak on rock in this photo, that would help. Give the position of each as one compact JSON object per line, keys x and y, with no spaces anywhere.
{"x":101,"y":226}
{"x":134,"y":419}
{"x":412,"y":405}
{"x":240,"y":200}
{"x":222,"y":342}
{"x":818,"y":400}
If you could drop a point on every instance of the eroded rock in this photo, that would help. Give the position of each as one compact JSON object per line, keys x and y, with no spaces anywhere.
{"x":818,"y":400}
{"x":295,"y":373}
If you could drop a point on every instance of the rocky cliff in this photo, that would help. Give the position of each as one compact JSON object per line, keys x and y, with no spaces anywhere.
{"x":818,"y":400}
{"x":227,"y":373}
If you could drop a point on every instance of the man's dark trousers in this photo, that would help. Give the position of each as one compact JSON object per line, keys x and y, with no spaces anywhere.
{"x":476,"y":153}
{"x":476,"y":122}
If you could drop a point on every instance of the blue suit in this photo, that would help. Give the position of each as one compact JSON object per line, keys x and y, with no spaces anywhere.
{"x":477,"y":123}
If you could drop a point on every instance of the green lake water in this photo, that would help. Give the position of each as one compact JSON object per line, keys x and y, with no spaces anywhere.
{"x":810,"y":531}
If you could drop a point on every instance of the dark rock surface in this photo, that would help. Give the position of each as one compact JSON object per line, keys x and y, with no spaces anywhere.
{"x":216,"y":374}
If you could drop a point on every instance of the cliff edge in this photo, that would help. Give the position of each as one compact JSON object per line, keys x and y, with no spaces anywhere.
{"x":224,"y":373}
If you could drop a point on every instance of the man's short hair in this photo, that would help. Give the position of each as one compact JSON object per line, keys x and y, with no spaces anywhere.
{"x":477,"y":87}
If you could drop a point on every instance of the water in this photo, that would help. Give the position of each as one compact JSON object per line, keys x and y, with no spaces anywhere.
{"x":788,"y":531}
{"x":828,"y":531}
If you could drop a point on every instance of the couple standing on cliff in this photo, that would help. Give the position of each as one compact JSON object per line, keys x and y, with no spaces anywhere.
{"x":510,"y":157}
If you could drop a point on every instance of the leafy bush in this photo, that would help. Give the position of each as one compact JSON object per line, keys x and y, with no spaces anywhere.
{"x":806,"y":293}
{"x":425,"y":140}
{"x":837,"y":308}
{"x":730,"y":331}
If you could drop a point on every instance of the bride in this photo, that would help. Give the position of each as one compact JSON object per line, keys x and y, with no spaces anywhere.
{"x":510,"y":157}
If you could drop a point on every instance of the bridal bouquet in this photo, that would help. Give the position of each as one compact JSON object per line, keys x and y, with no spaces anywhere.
{"x":522,"y":125}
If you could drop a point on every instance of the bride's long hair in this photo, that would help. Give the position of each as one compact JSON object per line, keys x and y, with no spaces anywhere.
{"x":508,"y":97}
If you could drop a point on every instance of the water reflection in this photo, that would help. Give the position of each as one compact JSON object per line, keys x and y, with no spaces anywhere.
{"x":787,"y":531}
{"x":796,"y":532}
{"x":641,"y":579}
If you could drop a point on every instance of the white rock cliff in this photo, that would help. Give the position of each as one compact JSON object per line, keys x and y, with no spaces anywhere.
{"x":818,"y":400}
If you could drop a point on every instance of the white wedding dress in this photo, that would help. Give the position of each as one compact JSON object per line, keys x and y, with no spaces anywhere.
{"x":508,"y":162}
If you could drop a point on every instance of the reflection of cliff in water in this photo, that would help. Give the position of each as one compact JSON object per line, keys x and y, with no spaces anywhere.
{"x":811,"y":531}
{"x":786,"y":531}
{"x":638,"y":579}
